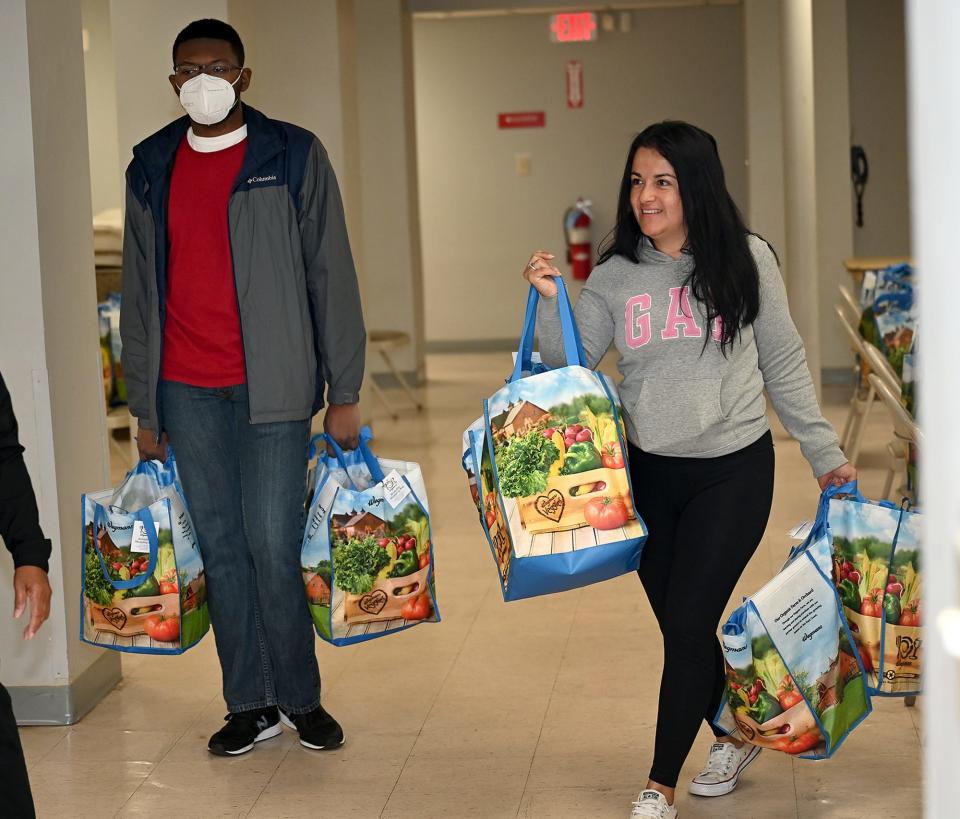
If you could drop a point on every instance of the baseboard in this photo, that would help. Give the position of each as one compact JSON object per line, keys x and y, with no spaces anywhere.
{"x":389,"y":381}
{"x":66,"y":704}
{"x":837,"y":375}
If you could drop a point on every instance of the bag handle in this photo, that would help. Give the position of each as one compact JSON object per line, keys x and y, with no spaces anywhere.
{"x":821,"y":523}
{"x":572,"y":347}
{"x":143,"y":515}
{"x":376,"y":472}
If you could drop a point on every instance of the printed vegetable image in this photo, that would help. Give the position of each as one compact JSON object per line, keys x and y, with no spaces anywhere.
{"x":356,"y":564}
{"x":891,"y":608}
{"x":95,"y":586}
{"x":165,"y":629}
{"x":606,"y":512}
{"x":797,"y":744}
{"x":788,"y":694}
{"x":910,"y":616}
{"x":849,"y":595}
{"x":764,"y":707}
{"x":612,"y":457}
{"x":149,"y":588}
{"x":582,"y":456}
{"x":407,"y":563}
{"x":872,"y":604}
{"x":416,"y":609}
{"x":523,"y":463}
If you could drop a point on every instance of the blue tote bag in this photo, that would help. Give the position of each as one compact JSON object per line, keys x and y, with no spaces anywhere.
{"x":547,"y":466}
{"x":367,"y":555}
{"x":795,"y":681}
{"x":877,"y":551}
{"x":144,"y":588}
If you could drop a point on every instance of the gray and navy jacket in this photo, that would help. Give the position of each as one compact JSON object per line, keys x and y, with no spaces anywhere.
{"x":297,"y":290}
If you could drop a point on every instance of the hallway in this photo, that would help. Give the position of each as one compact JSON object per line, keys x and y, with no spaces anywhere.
{"x":539,"y":708}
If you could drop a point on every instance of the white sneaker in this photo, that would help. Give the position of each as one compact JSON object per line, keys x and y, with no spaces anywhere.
{"x":722,"y":771}
{"x":653,"y":805}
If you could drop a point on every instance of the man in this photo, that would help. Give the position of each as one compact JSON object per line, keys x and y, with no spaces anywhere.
{"x":240,"y":303}
{"x":20,"y":530}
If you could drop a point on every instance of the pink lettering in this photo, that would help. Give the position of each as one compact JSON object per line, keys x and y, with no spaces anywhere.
{"x":637,"y":322}
{"x":717,"y":329}
{"x":680,"y":316}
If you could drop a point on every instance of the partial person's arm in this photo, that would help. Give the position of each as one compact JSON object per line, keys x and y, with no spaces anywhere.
{"x":783,"y":363}
{"x":134,"y":324}
{"x":20,"y":523}
{"x":134,"y":313}
{"x":593,"y":318}
{"x":332,"y":286}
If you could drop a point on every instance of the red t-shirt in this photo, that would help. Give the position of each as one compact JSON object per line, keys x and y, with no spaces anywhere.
{"x":202,"y":341}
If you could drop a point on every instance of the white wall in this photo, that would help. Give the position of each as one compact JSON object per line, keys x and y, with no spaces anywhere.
{"x":878,"y":120}
{"x":832,"y":134}
{"x":106,"y":178}
{"x":48,"y":321}
{"x":143,"y":33}
{"x":479,"y":219}
{"x":762,"y":55}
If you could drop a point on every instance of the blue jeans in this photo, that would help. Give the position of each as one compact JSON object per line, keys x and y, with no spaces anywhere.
{"x":245,"y":485}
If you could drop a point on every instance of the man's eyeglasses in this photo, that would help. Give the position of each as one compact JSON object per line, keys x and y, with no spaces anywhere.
{"x":189,"y":70}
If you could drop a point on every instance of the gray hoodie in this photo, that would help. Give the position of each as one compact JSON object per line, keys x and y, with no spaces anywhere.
{"x":680,"y":398}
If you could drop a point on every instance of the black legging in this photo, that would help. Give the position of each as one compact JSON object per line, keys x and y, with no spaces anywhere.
{"x":706,"y":517}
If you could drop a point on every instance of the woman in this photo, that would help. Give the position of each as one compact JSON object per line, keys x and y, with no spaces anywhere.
{"x":697,"y":309}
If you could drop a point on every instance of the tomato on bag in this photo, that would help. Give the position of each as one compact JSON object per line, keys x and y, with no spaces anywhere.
{"x":164,"y":629}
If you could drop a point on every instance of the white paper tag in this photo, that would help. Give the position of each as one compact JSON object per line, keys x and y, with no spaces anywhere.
{"x":394,"y":488}
{"x":139,"y":542}
{"x":801,"y":530}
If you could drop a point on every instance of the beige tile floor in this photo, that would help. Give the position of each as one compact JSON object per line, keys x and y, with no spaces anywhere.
{"x":539,"y":708}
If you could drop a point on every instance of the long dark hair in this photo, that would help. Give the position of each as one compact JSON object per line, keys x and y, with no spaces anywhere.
{"x":724,"y":277}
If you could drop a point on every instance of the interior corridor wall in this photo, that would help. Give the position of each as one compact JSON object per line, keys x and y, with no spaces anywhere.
{"x":143,"y":32}
{"x":106,"y":177}
{"x":878,"y":121}
{"x":479,"y":219}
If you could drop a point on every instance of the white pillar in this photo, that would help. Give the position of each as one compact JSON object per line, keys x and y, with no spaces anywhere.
{"x":765,"y":165}
{"x":831,"y":95}
{"x":933,"y":36}
{"x":49,"y":352}
{"x":799,"y":143}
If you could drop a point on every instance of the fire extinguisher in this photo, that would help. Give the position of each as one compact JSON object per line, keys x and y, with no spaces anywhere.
{"x":576,"y":230}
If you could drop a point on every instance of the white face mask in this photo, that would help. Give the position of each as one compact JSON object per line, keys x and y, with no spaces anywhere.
{"x":208,"y":100}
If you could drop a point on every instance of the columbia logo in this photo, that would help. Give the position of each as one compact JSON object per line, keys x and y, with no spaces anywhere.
{"x":252,"y":179}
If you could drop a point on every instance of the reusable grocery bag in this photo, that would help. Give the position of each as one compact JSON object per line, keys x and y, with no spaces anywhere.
{"x":794,"y":679}
{"x":547,"y":465}
{"x":876,"y":568}
{"x":889,"y":318}
{"x":143,"y":582}
{"x":367,"y":556}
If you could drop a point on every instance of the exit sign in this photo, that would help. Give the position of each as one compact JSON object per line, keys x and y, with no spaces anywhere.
{"x":579,"y":27}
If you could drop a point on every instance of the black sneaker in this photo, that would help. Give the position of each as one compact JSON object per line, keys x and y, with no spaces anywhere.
{"x":243,"y":730}
{"x":317,"y":729}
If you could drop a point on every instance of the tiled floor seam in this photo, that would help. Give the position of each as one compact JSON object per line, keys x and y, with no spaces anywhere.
{"x":270,"y":778}
{"x":162,"y":757}
{"x":433,"y":702}
{"x":546,"y":709}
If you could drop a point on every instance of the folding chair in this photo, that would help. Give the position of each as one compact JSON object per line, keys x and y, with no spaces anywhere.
{"x":384,"y":341}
